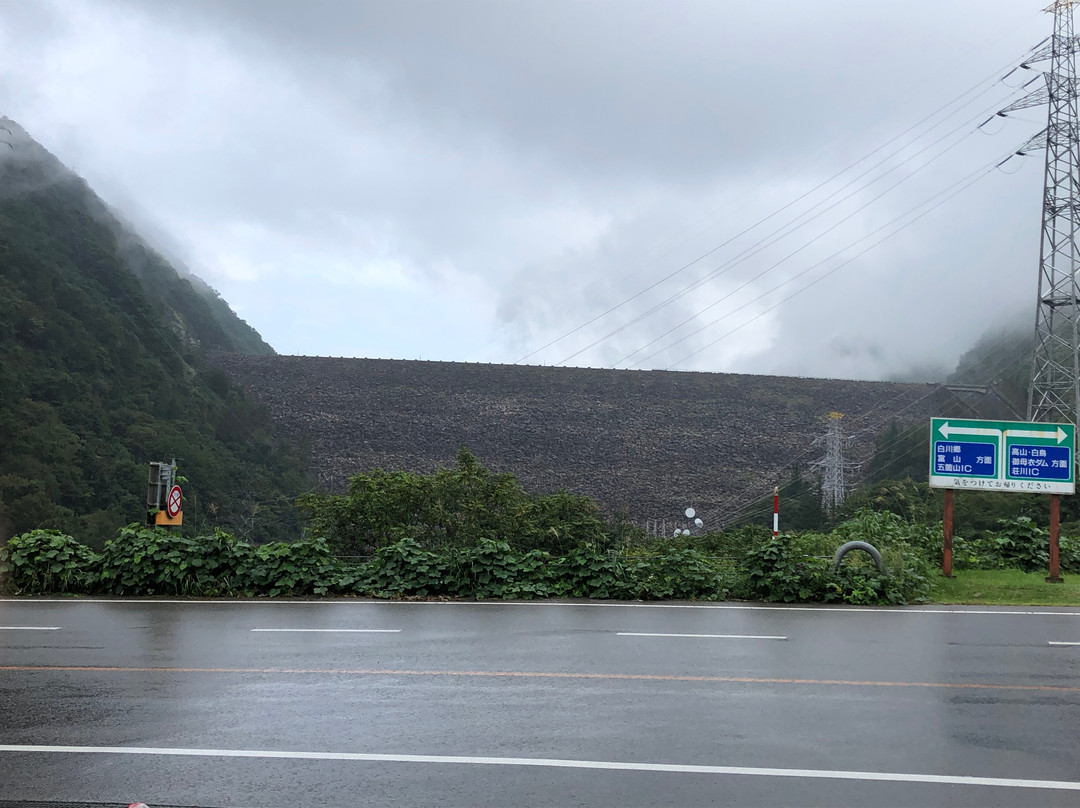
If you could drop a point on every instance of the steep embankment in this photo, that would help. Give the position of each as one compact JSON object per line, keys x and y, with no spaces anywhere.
{"x":101,"y":368}
{"x":646,"y":443}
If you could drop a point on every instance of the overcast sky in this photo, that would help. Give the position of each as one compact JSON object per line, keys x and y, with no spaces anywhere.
{"x":533,"y":181}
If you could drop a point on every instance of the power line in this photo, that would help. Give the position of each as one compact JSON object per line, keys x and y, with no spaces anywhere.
{"x":778,"y":263}
{"x":783,"y":232}
{"x":753,"y":501}
{"x":994,"y":80}
{"x":960,"y":187}
{"x":790,"y":204}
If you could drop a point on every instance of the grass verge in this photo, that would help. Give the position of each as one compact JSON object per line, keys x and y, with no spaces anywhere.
{"x":1007,"y":588}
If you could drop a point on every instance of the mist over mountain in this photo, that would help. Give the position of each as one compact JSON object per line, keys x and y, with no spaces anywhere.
{"x":102,"y":346}
{"x":199,"y":315}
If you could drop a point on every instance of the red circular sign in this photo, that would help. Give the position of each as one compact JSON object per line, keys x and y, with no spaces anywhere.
{"x":172,"y":504}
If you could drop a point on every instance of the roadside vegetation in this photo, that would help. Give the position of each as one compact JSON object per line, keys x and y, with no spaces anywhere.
{"x":466,"y":532}
{"x":145,"y":561}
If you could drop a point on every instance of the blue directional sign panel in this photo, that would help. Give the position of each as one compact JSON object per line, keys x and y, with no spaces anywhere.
{"x":1043,"y":462}
{"x":1003,"y":456}
{"x":965,"y":457}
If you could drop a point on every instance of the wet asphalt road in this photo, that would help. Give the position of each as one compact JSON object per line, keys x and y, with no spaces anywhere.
{"x":566,"y":689}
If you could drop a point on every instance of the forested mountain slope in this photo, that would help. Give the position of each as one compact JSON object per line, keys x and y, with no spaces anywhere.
{"x":1001,"y":359}
{"x":101,"y":370}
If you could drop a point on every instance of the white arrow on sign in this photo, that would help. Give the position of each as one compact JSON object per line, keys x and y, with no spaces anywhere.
{"x":947,"y":431}
{"x":1060,"y":434}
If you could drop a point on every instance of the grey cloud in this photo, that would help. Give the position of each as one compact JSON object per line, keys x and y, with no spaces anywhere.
{"x":562,"y":156}
{"x":613,"y":89}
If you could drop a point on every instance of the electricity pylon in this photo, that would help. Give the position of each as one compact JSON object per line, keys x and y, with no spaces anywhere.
{"x":1054,"y":394}
{"x":834,"y":469}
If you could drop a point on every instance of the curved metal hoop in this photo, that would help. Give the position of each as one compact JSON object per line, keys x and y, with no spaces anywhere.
{"x":858,"y":545}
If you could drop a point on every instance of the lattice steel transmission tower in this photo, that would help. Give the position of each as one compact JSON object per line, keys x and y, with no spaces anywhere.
{"x":834,"y":469}
{"x":1054,"y":394}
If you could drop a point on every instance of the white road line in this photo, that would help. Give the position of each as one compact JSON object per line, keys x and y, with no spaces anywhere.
{"x":334,"y":630}
{"x":30,"y":628}
{"x":1063,"y":644}
{"x":701,"y":636}
{"x":555,"y":763}
{"x":848,"y":610}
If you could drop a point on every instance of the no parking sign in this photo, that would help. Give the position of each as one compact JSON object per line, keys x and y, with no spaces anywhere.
{"x":173,"y":502}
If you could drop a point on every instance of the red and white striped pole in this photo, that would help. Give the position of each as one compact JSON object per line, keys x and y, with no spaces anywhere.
{"x":776,"y":511}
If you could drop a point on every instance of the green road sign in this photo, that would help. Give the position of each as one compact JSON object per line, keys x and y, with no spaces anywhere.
{"x":1016,"y":456}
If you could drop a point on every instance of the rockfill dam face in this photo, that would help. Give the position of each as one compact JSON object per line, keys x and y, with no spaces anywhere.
{"x":646,"y":444}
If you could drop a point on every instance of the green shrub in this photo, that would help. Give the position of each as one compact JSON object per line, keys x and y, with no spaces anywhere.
{"x":884,"y":528}
{"x":588,"y":571}
{"x":536,"y":576}
{"x":779,"y":569}
{"x":150,"y":561}
{"x":305,"y":567}
{"x":731,"y":544}
{"x":681,"y":575}
{"x":451,"y":508}
{"x":47,"y":562}
{"x":1069,"y":554}
{"x":969,"y":554}
{"x":493,"y":569}
{"x":791,"y":568}
{"x":406,"y":568}
{"x":907,"y":577}
{"x":557,"y":523}
{"x":1018,"y":543}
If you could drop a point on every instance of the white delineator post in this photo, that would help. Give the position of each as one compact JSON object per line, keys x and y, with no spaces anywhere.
{"x":776,"y":511}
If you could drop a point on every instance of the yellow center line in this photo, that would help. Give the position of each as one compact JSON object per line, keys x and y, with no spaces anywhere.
{"x":644,"y":677}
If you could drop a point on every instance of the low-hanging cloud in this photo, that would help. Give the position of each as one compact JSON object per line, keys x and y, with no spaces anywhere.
{"x":476,"y":180}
